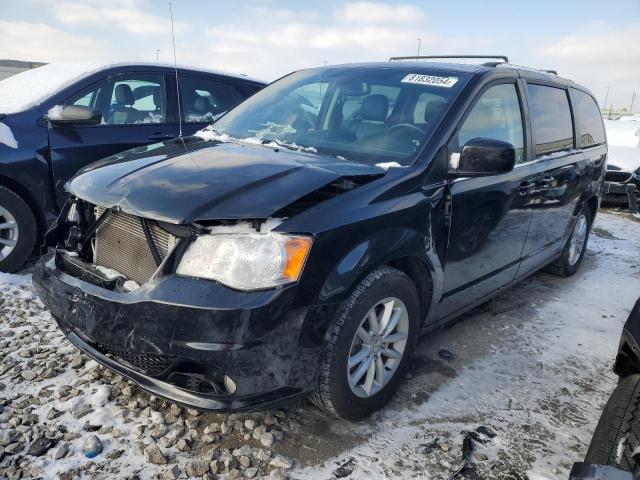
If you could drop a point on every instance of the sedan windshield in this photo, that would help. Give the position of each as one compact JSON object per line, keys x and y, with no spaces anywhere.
{"x":364,"y":114}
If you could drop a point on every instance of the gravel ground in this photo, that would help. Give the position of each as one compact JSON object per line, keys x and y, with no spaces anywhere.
{"x":513,"y":391}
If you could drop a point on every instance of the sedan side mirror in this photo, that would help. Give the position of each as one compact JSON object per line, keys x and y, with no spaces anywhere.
{"x":486,"y":156}
{"x":76,"y":115}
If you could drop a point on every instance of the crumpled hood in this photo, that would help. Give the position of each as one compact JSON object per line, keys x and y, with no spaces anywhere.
{"x":190,"y":179}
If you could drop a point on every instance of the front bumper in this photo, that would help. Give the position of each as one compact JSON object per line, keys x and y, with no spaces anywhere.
{"x":179,"y":337}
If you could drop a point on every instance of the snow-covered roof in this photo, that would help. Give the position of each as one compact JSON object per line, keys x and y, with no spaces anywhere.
{"x":31,"y":87}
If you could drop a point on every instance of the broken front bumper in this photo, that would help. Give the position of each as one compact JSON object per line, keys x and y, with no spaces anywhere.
{"x":621,"y":194}
{"x":194,"y":342}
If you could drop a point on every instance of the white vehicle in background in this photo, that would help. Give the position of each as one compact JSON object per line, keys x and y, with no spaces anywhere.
{"x":622,"y":179}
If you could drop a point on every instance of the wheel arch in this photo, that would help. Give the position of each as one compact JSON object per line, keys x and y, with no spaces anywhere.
{"x":24,"y":193}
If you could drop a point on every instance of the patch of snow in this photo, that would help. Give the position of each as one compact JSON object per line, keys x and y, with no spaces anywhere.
{"x":212,"y":135}
{"x":55,"y":112}
{"x":388,"y":165}
{"x":620,"y":449}
{"x":245,"y":227}
{"x":7,"y":137}
{"x":622,"y":134}
{"x":130,"y":285}
{"x":110,"y":273}
{"x":15,"y":279}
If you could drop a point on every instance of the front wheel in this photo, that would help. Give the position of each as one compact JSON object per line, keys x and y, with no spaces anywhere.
{"x":370,"y":343}
{"x":18,"y":231}
{"x":572,"y":254}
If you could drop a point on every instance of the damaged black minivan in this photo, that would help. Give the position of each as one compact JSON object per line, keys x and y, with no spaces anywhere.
{"x":301,"y":243}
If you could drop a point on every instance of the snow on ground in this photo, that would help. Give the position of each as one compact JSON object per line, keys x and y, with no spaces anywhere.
{"x":512,"y":391}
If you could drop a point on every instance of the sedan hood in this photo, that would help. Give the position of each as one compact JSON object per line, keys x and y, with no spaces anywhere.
{"x":190,"y":179}
{"x":624,"y":158}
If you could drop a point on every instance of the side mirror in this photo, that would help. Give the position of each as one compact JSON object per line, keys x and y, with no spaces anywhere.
{"x":486,"y":156}
{"x":76,"y":115}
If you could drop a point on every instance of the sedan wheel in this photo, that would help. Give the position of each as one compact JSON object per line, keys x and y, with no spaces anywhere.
{"x":9,"y":233}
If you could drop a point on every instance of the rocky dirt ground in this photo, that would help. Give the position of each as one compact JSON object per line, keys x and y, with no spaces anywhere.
{"x":512,"y":391}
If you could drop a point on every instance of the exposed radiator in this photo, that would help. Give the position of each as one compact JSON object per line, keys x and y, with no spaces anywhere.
{"x":121,"y":245}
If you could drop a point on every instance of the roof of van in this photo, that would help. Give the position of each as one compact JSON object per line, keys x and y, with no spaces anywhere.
{"x":469,"y":68}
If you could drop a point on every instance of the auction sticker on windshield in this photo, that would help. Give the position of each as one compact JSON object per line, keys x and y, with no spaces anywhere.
{"x":446,"y":82}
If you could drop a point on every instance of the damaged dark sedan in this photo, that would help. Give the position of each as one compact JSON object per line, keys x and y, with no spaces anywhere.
{"x":300,"y":244}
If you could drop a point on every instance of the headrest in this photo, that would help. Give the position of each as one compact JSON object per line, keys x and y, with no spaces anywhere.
{"x":124,"y":95}
{"x":202,"y":104}
{"x":375,"y":108}
{"x":433,"y":110}
{"x":157,"y":97}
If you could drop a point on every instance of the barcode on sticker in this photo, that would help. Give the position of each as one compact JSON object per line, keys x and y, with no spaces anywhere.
{"x":446,"y":82}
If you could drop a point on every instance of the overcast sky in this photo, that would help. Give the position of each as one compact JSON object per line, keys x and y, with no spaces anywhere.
{"x":593,"y":42}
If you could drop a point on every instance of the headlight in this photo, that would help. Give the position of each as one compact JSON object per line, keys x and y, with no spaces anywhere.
{"x":250,"y":261}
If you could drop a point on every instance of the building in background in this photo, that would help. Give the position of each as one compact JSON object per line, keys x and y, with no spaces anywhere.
{"x":11,"y":67}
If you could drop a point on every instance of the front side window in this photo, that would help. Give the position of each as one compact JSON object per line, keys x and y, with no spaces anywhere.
{"x":203,"y":100}
{"x":366,"y":115}
{"x":590,"y":126}
{"x":551,"y":118}
{"x":138,"y":99}
{"x":496,"y":115}
{"x":126,"y":100}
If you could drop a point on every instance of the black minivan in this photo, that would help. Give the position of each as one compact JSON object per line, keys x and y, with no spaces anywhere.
{"x":59,"y":118}
{"x":300,"y":243}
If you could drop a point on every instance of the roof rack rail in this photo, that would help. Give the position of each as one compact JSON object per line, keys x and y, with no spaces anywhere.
{"x":504,"y":58}
{"x":553,"y":72}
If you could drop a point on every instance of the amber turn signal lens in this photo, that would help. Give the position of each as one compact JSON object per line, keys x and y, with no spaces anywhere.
{"x":296,"y":250}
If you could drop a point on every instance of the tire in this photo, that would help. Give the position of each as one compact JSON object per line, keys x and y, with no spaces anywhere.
{"x":617,"y":435}
{"x":566,"y":265}
{"x":381,"y":288}
{"x":16,"y":242}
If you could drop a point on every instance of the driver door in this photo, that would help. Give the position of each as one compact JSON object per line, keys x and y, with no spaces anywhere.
{"x":489,"y":215}
{"x":134,"y":113}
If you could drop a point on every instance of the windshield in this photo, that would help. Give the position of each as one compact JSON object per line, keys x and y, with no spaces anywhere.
{"x":365,"y":114}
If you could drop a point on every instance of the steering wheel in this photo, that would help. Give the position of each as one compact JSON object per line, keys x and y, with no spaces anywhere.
{"x":407,"y":126}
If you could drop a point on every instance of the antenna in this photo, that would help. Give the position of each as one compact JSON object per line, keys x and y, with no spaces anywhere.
{"x":175,"y":67}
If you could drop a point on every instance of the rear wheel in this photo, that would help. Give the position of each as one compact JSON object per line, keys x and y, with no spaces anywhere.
{"x":571,"y":257}
{"x":616,"y":441}
{"x":370,"y":344}
{"x":17,"y":231}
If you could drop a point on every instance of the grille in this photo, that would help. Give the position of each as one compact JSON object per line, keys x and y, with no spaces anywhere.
{"x":121,"y":245}
{"x":617,"y":176}
{"x":149,"y":363}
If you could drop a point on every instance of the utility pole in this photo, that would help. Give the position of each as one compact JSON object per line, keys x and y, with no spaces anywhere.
{"x":157,"y":55}
{"x":605,"y":99}
{"x":419,"y":43}
{"x":633,"y":97}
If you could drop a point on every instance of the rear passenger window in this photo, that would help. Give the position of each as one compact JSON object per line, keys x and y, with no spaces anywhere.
{"x":204,"y":100}
{"x":551,"y":118}
{"x":496,"y":115}
{"x":589,"y":120}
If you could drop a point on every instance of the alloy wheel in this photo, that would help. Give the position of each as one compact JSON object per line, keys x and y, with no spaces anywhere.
{"x":9,"y":233}
{"x":578,"y":239}
{"x":378,"y":347}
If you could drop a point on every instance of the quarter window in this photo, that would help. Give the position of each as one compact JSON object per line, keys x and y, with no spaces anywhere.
{"x":496,"y":115}
{"x":589,"y":119}
{"x":551,"y":118}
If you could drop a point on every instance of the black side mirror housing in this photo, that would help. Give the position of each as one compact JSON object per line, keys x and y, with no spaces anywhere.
{"x":486,"y":156}
{"x":77,"y":115}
